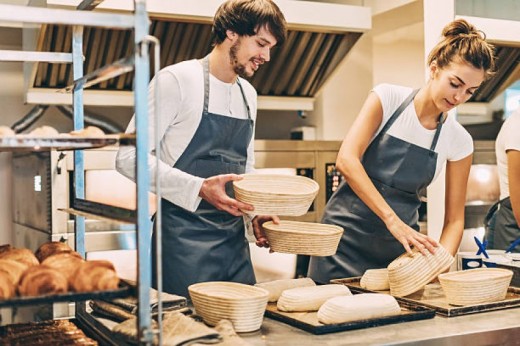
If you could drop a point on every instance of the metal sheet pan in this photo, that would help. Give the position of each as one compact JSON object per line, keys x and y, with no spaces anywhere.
{"x":123,"y":290}
{"x":308,"y":321}
{"x":65,"y":142}
{"x":433,"y":297}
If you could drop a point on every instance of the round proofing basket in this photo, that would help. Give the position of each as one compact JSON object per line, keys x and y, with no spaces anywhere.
{"x":410,"y":273}
{"x":243,"y":305}
{"x":276,"y":194}
{"x":476,"y":286}
{"x":303,"y":238}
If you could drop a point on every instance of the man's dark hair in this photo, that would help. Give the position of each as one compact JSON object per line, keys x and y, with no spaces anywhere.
{"x":245,"y":17}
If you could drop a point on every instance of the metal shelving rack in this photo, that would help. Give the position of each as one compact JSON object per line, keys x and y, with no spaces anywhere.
{"x":139,"y":62}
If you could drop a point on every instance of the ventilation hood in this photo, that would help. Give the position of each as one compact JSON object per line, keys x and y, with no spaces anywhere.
{"x":320,"y":36}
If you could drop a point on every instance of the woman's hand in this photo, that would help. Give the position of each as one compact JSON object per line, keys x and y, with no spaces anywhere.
{"x":258,"y":230}
{"x":213,"y":190}
{"x":410,"y":237}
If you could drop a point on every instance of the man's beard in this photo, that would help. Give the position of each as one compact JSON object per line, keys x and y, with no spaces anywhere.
{"x":238,"y":68}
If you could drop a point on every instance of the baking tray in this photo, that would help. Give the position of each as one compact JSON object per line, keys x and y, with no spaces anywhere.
{"x":62,"y":142}
{"x":123,"y":290}
{"x":432,"y":297}
{"x":308,"y":321}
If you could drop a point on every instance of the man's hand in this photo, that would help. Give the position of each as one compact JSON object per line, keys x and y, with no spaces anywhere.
{"x":258,"y":230}
{"x":213,"y":190}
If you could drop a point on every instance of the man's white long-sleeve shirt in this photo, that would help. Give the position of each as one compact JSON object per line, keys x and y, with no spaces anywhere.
{"x":176,"y":94}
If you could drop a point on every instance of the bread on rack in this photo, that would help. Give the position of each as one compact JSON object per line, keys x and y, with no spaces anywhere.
{"x":13,"y":269}
{"x":65,"y":262}
{"x":276,"y":287}
{"x":7,"y":288}
{"x":51,"y":248}
{"x":95,"y":276}
{"x":375,"y":280}
{"x":89,"y":131}
{"x":44,"y":131}
{"x":20,"y":255}
{"x":6,"y":131}
{"x":358,"y":307}
{"x":309,"y":298}
{"x":42,"y":280}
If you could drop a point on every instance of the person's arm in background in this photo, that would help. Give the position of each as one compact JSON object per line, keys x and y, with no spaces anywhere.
{"x":349,"y":164}
{"x":457,"y":173}
{"x":513,"y":170}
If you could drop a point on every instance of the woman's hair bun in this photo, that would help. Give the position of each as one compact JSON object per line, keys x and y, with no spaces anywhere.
{"x":461,"y":28}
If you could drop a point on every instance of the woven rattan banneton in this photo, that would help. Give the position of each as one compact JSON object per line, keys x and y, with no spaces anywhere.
{"x":476,"y":286}
{"x":276,"y":194}
{"x":303,"y":238}
{"x":243,"y":305}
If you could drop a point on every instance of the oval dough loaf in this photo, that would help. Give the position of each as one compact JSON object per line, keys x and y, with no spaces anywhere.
{"x":89,"y":131}
{"x":375,"y":280}
{"x":6,"y":131}
{"x":44,"y":131}
{"x":358,"y":307}
{"x":309,"y":298}
{"x":276,"y":287}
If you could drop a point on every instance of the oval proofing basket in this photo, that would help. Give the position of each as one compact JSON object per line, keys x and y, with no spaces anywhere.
{"x":276,"y":194}
{"x":303,"y":238}
{"x":476,"y":286}
{"x":243,"y":305}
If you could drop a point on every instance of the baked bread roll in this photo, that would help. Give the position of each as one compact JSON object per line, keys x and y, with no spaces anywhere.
{"x":6,"y":131}
{"x":20,"y":255}
{"x":7,"y":288}
{"x":52,"y":248}
{"x":276,"y":287}
{"x":44,"y":131}
{"x":358,"y":307}
{"x":13,"y":269}
{"x":309,"y":298}
{"x":375,"y":280}
{"x":65,"y":262}
{"x":95,"y":276}
{"x":41,"y":280}
{"x":89,"y":131}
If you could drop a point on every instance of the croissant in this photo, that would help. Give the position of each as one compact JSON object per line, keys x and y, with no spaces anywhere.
{"x":51,"y":248}
{"x":7,"y":288}
{"x":42,"y":280}
{"x":94,"y":276}
{"x":13,"y":269}
{"x":20,"y":255}
{"x":64,"y":262}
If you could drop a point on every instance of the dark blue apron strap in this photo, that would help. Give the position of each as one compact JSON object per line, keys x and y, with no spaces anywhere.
{"x":398,"y":111}
{"x":205,"y":65}
{"x":245,"y":99}
{"x":437,"y":132}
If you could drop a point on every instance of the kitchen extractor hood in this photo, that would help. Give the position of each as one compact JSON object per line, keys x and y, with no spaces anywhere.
{"x":320,"y":36}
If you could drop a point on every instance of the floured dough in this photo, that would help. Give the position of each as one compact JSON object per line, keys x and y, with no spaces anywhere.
{"x":309,"y":298}
{"x":375,"y":280}
{"x":6,"y":131}
{"x":358,"y":307}
{"x":276,"y":287}
{"x":89,"y":131}
{"x":44,"y":131}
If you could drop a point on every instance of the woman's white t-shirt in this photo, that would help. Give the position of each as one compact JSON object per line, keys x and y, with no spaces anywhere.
{"x":507,"y":139}
{"x":454,"y":143}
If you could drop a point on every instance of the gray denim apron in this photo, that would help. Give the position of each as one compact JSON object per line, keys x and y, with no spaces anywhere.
{"x":506,"y":229}
{"x":400,"y":171}
{"x":208,"y":244}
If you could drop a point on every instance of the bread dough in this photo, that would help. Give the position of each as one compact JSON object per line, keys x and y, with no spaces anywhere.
{"x":6,"y":131}
{"x":44,"y":131}
{"x":357,"y":307}
{"x":276,"y":287}
{"x":89,"y":131}
{"x":309,"y":298}
{"x":375,"y":280}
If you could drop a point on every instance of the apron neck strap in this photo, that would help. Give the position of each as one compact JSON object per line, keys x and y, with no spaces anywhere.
{"x":205,"y":66}
{"x":437,"y":131}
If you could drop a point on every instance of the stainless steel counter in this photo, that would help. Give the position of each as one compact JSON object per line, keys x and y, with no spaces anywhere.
{"x":500,"y":327}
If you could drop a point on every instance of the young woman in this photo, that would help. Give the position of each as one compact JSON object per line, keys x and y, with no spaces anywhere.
{"x":393,"y":151}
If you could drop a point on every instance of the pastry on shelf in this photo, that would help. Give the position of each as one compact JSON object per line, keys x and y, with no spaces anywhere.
{"x":20,"y":255}
{"x":6,"y":131}
{"x":44,"y":131}
{"x":65,"y":262}
{"x":52,"y":248}
{"x":41,"y":280}
{"x":13,"y":269}
{"x":7,"y":288}
{"x":95,"y":275}
{"x":89,"y":131}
